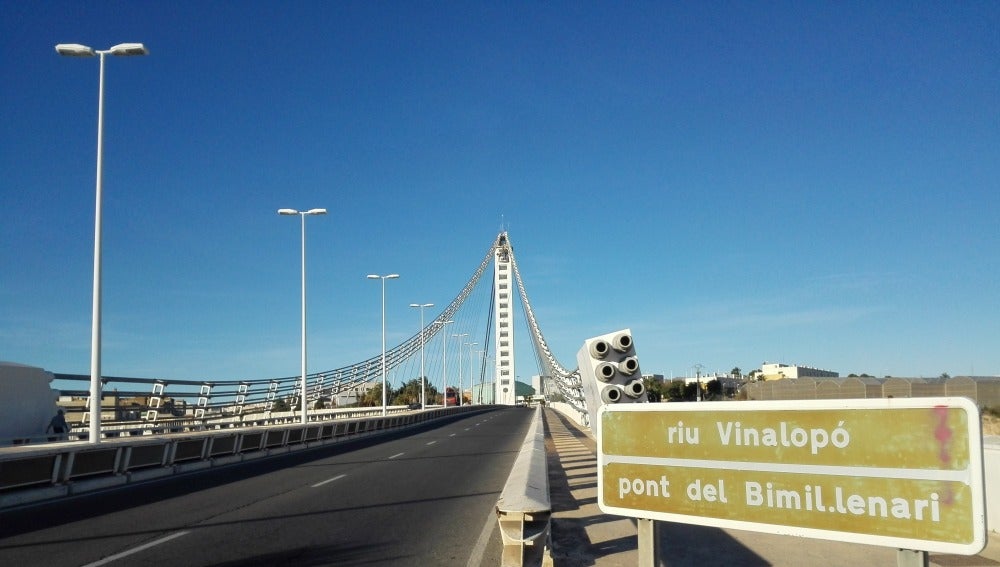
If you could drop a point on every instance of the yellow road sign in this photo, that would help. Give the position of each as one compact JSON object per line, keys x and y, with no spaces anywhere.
{"x":905,"y":473}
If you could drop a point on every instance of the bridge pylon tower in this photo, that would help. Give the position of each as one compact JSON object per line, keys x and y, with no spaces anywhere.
{"x":503,"y":294}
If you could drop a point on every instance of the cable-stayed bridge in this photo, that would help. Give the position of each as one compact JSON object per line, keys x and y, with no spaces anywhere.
{"x":467,"y":347}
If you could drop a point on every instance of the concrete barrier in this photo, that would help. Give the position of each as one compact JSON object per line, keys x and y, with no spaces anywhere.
{"x":524,"y":510}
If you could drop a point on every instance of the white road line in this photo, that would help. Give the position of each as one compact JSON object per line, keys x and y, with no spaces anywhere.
{"x":431,"y":442}
{"x":338,"y":477}
{"x":397,"y":455}
{"x":143,"y":547}
{"x":452,"y":435}
{"x":479,"y":550}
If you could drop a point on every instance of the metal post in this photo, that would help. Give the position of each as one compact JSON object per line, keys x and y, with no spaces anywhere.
{"x":482,"y":364}
{"x":649,"y":542}
{"x":912,"y":558}
{"x":305,"y":418}
{"x":94,"y":435}
{"x":77,"y":50}
{"x":423,"y":393}
{"x":444,"y":370}
{"x":460,"y":345}
{"x":471,"y":361}
{"x":383,"y":278}
{"x":302,"y":385}
{"x":384,"y":399}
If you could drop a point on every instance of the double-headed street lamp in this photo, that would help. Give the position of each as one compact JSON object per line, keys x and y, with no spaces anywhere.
{"x":383,"y":278}
{"x":423,"y":395}
{"x":697,"y":368}
{"x":302,"y":215}
{"x":77,"y":50}
{"x":444,"y":371}
{"x":460,"y":343}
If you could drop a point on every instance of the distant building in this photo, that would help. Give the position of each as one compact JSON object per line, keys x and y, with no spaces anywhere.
{"x":539,"y":382}
{"x":983,"y":390}
{"x":778,"y":371}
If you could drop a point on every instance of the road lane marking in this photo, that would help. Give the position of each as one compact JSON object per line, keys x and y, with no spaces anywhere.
{"x":338,"y":477}
{"x":479,"y":549}
{"x":431,"y":442}
{"x":135,"y":550}
{"x":397,"y":455}
{"x":452,"y":435}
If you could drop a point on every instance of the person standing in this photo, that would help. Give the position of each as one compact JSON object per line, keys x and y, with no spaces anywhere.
{"x":58,"y":424}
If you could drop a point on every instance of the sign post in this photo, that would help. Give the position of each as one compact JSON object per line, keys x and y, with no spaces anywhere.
{"x":903,"y":473}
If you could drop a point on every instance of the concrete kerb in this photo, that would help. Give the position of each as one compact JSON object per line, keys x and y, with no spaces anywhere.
{"x":524,"y":509}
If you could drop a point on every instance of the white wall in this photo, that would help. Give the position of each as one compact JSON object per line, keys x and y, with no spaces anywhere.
{"x":568,"y":411}
{"x":29,"y":401}
{"x":991,"y":461}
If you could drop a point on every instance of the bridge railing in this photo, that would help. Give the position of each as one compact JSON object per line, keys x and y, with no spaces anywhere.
{"x":32,"y":473}
{"x":211,"y":422}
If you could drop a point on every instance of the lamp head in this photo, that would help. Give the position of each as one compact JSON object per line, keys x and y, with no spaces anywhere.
{"x":127,"y":49}
{"x":74,"y":50}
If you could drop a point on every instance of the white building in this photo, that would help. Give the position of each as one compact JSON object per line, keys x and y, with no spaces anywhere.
{"x":777,"y":371}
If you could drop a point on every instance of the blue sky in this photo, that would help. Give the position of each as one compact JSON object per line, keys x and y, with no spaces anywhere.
{"x":813,"y":183}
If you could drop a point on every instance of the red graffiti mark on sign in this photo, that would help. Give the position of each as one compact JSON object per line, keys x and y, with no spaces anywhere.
{"x":944,"y":434}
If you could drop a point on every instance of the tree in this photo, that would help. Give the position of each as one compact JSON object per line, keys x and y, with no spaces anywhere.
{"x":675,"y":390}
{"x":714,"y":388}
{"x":409,"y":393}
{"x":691,"y":391}
{"x":372,"y":397}
{"x":736,"y":373}
{"x":654,"y":389}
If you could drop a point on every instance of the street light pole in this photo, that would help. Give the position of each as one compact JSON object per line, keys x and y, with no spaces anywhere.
{"x":482,"y":365}
{"x":383,"y":278}
{"x":471,"y":377}
{"x":77,"y":50}
{"x":697,"y":368}
{"x":423,"y":394}
{"x":460,"y":344}
{"x":302,"y":215}
{"x":444,"y":371}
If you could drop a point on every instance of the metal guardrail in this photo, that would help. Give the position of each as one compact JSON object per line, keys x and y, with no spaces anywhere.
{"x":524,"y":509}
{"x":113,"y":429}
{"x":33,"y":473}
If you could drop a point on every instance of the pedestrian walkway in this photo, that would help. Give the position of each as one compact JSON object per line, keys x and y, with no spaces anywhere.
{"x":583,"y":535}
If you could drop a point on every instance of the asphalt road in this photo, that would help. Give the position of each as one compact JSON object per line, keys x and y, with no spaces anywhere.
{"x":420,"y":498}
